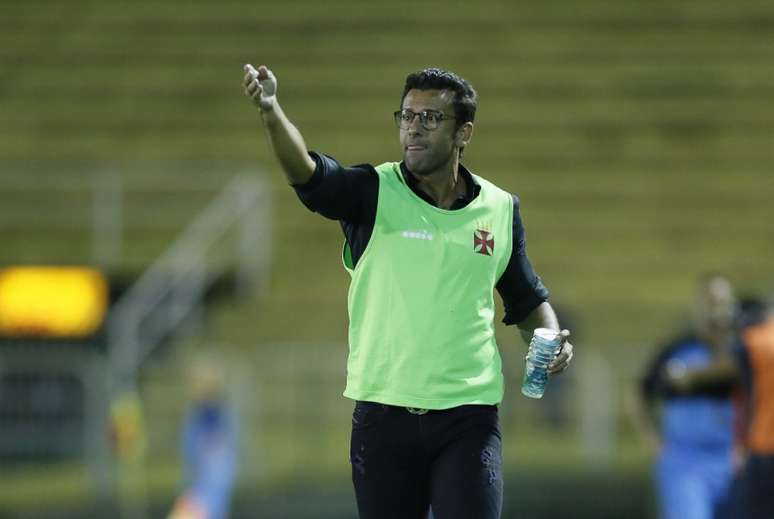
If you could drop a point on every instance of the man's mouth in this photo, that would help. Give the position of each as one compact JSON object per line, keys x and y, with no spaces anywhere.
{"x":415,"y":147}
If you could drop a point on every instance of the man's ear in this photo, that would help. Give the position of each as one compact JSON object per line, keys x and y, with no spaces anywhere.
{"x":463,"y":135}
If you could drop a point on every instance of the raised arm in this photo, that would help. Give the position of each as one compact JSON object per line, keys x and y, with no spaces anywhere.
{"x":287,"y":142}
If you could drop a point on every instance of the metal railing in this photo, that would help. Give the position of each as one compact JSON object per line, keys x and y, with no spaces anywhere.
{"x":173,"y":287}
{"x":169,"y":292}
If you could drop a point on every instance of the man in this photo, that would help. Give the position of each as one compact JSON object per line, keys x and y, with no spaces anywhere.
{"x":209,"y":445}
{"x":752,"y":378}
{"x":755,"y":497}
{"x":426,"y":243}
{"x":694,"y":466}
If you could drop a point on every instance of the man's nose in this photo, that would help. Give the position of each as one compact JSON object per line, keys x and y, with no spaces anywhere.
{"x":416,"y":124}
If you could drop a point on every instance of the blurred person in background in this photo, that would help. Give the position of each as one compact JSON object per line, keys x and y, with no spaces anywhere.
{"x":209,"y":445}
{"x":753,"y":375}
{"x":694,"y":438}
{"x":754,"y":488}
{"x":426,"y":244}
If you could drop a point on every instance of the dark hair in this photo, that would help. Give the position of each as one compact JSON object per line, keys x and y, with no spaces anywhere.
{"x":751,"y":312}
{"x":465,"y":98}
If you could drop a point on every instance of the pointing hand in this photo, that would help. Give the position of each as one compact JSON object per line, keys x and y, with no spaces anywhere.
{"x":261,"y":86}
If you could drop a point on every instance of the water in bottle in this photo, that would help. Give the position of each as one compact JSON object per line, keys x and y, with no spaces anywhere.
{"x":542,"y":349}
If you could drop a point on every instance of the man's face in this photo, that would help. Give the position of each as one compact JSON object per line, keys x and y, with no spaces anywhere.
{"x":427,"y":151}
{"x":716,"y":306}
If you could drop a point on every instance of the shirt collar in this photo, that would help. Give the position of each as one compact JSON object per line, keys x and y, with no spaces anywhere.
{"x":472,"y":188}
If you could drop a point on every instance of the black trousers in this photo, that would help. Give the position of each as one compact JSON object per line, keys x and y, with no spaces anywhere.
{"x":752,"y":493}
{"x":403,"y":463}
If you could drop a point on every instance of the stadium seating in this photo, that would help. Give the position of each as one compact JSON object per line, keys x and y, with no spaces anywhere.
{"x":637,"y":134}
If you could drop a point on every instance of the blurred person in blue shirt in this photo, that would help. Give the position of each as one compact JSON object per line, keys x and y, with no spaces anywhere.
{"x":209,"y":446}
{"x":751,"y":379}
{"x":695,"y":442}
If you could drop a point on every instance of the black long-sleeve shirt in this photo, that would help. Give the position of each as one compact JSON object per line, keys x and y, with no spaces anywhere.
{"x":350,"y":195}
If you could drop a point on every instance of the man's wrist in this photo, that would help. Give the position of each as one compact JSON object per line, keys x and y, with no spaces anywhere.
{"x":269,"y":112}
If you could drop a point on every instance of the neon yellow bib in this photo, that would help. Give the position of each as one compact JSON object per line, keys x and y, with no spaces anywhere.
{"x":421,"y":301}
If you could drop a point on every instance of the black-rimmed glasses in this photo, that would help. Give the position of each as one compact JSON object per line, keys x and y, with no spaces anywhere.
{"x":430,"y":119}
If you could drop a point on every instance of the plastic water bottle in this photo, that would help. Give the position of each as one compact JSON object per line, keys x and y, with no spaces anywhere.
{"x":542,"y":349}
